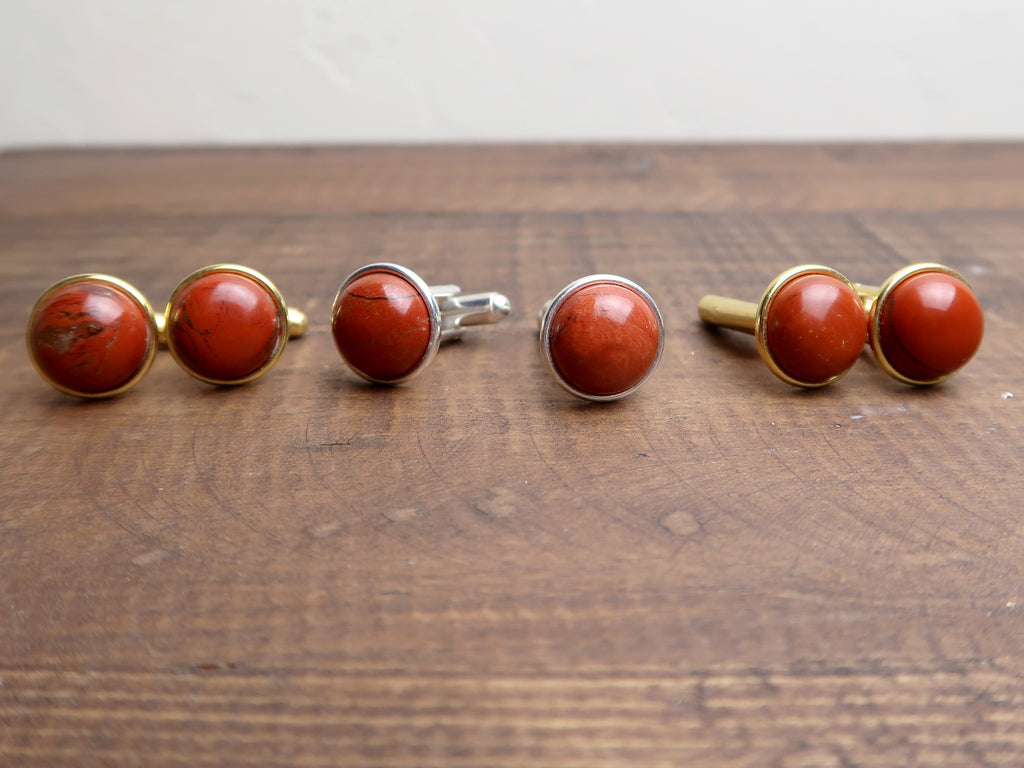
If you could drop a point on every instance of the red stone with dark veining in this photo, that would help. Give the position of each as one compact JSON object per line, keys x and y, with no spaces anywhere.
{"x":931,"y":325}
{"x":604,"y":338}
{"x":91,"y":337}
{"x":381,"y":325}
{"x":815,"y":328}
{"x":225,"y":326}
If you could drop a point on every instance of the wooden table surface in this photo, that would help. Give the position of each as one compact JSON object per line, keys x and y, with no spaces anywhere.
{"x":475,"y":568}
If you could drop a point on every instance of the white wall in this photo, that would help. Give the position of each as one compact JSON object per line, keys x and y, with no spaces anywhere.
{"x":227,"y":71}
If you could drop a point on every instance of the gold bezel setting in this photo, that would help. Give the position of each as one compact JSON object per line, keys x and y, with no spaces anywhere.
{"x":122,"y":287}
{"x":875,"y":317}
{"x":280,"y":307}
{"x":761,"y":321}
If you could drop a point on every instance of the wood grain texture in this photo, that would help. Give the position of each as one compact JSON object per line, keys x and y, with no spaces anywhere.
{"x":474,"y":569}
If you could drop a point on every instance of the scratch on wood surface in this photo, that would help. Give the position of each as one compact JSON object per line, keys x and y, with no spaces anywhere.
{"x":153,"y":556}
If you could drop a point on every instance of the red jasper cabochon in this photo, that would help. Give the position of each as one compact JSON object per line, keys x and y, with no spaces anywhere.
{"x":815,"y":327}
{"x":91,"y":337}
{"x":603,"y":338}
{"x":931,"y":325}
{"x":381,"y":326}
{"x":224,"y":326}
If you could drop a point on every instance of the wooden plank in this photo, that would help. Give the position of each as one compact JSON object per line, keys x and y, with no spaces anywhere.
{"x":305,"y":182}
{"x":475,"y":568}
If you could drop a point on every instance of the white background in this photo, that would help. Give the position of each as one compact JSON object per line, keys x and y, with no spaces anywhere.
{"x":288,"y":71}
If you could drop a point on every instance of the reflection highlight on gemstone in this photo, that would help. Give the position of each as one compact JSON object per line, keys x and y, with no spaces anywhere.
{"x":937,"y":296}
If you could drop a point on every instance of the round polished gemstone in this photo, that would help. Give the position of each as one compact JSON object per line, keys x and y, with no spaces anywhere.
{"x":224,"y":326}
{"x":815,"y":328}
{"x":91,"y":337}
{"x":931,"y":325}
{"x":381,"y":326}
{"x":604,"y":338}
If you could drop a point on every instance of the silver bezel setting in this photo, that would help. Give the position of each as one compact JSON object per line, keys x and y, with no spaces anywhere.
{"x":556,"y":303}
{"x":433,"y":311}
